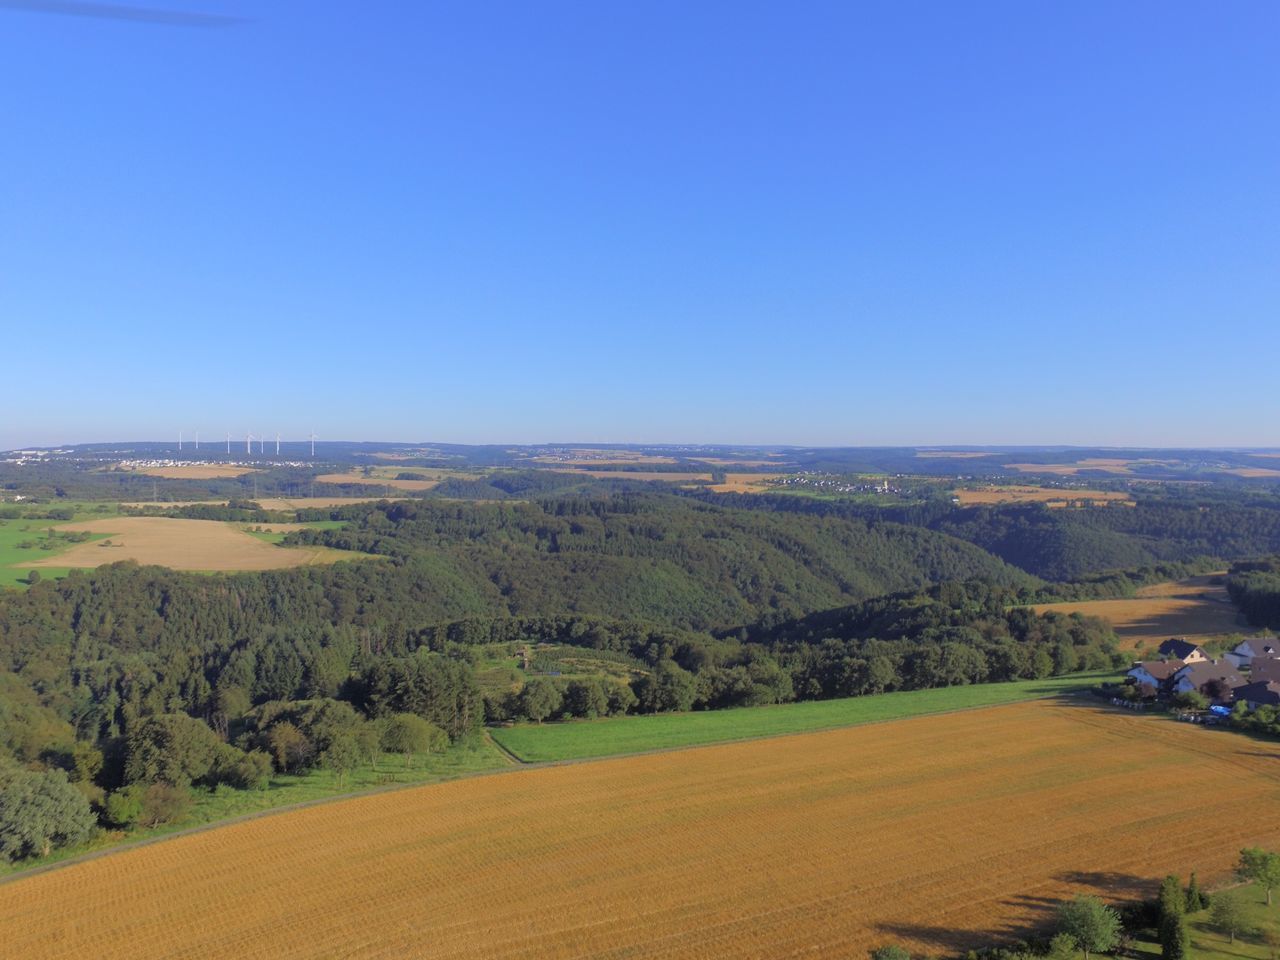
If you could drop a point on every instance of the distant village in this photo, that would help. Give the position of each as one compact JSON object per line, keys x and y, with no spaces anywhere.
{"x":830,"y":484}
{"x":1249,"y":674}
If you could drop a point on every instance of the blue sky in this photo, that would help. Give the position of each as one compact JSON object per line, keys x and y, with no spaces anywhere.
{"x":844,"y":223}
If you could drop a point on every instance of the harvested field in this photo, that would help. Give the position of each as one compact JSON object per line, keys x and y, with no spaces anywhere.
{"x":198,"y":471}
{"x":1195,"y":608}
{"x":360,"y":480}
{"x":727,"y":462}
{"x":183,"y":545}
{"x":313,"y":503}
{"x":745,"y":482}
{"x":1101,"y":464}
{"x":1048,"y":496}
{"x":1253,"y":472}
{"x":935,"y":833}
{"x":601,"y":461}
{"x":637,"y":475}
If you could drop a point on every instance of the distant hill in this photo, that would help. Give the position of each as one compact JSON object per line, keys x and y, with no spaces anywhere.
{"x":660,"y":558}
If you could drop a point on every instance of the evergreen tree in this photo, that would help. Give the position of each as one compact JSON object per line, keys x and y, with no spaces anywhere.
{"x":1195,"y":897}
{"x":1173,"y":924}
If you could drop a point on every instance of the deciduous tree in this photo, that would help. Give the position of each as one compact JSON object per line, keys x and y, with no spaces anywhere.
{"x":40,"y":811}
{"x":1093,"y":925}
{"x":1262,"y":866}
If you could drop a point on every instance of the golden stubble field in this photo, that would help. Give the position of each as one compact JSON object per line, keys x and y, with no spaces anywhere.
{"x":1196,"y":608}
{"x":182,"y":545}
{"x":936,"y":833}
{"x":1050,"y":496}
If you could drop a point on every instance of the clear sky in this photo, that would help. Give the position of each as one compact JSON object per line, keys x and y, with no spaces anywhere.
{"x":816,"y":223}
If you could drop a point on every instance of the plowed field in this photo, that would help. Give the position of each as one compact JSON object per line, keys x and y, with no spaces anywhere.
{"x":932,"y":832}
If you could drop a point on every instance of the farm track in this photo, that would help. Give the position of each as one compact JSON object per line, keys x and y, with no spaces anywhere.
{"x":812,"y":845}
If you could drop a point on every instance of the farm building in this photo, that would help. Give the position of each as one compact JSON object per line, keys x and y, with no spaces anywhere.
{"x":1254,"y":648}
{"x":1183,"y":650}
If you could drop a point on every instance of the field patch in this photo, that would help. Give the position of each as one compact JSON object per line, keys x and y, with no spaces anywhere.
{"x":1117,"y":465}
{"x":1049,"y":496}
{"x":745,"y":482}
{"x":182,"y":545}
{"x":313,"y":503}
{"x":637,"y":475}
{"x":580,"y":739}
{"x":1196,"y":608}
{"x":934,"y":833}
{"x":197,"y":471}
{"x":375,"y":481}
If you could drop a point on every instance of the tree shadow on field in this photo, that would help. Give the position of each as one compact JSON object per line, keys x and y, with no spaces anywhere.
{"x":943,"y":939}
{"x":1109,"y":884}
{"x":1036,"y":914}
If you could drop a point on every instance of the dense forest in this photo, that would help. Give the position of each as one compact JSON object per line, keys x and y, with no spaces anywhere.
{"x":1254,"y":587}
{"x":1062,"y":545}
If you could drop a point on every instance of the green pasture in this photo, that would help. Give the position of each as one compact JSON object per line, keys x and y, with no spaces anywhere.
{"x":580,"y":739}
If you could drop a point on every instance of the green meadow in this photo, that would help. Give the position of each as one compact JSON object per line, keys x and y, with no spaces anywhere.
{"x":581,"y":739}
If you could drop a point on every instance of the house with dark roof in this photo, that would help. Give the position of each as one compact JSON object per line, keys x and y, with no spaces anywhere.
{"x":1184,"y":650}
{"x":1155,"y":674}
{"x":1264,"y":669}
{"x":1261,"y":693}
{"x":1213,"y":678}
{"x":1254,"y":648}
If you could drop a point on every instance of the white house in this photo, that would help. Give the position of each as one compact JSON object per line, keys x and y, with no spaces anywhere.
{"x":1254,"y":648}
{"x":1154,"y":673}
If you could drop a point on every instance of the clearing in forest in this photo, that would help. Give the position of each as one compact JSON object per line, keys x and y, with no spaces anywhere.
{"x":1049,"y":496}
{"x":746,"y":482}
{"x":1197,"y":608}
{"x":938,"y":833}
{"x":183,"y":545}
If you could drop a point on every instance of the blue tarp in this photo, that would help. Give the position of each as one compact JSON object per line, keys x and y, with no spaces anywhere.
{"x":1220,"y":711}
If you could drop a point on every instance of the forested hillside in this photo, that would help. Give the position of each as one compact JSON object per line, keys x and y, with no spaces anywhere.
{"x":1066,"y":544}
{"x":1254,"y":586}
{"x":648,"y":557}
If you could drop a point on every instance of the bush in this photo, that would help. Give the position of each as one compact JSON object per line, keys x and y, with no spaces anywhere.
{"x":164,"y":803}
{"x":408,"y":733}
{"x":123,"y":807}
{"x":244,"y":771}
